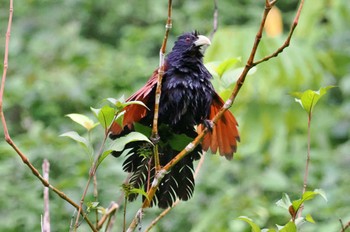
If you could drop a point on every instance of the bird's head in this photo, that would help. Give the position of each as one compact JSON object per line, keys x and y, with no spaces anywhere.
{"x":191,"y":44}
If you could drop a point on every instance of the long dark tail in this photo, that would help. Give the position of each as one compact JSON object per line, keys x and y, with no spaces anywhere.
{"x":177,"y":183}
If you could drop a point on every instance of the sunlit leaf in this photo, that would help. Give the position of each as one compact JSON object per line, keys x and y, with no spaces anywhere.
{"x":105,"y":115}
{"x":138,"y":191}
{"x":120,"y":103}
{"x":309,"y":98}
{"x":309,"y":218}
{"x":289,"y":227}
{"x":83,"y":120}
{"x":226,"y":65}
{"x":308,"y":195}
{"x":76,"y":137}
{"x":255,"y":227}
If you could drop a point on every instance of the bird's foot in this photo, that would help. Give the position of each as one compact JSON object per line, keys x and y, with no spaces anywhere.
{"x":155,"y":138}
{"x":208,"y":124}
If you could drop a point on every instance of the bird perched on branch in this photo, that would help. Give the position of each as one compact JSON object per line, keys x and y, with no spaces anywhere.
{"x":188,"y":101}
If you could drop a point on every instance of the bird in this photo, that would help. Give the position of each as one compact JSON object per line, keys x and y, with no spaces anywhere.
{"x":188,"y":102}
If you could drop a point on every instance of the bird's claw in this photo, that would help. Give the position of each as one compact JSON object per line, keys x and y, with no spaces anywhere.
{"x":155,"y":139}
{"x":208,"y":124}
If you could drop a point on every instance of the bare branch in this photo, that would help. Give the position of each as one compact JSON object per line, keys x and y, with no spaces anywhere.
{"x":287,"y":41}
{"x":215,"y":19}
{"x":155,"y":135}
{"x":344,"y":228}
{"x":46,"y":221}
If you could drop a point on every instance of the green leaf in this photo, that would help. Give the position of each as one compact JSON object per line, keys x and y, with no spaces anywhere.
{"x":105,"y":115}
{"x":120,"y":143}
{"x":289,"y":227}
{"x":309,"y":218}
{"x":83,"y":120}
{"x":308,"y":195}
{"x":309,"y":98}
{"x":76,"y":137}
{"x":120,"y":103}
{"x":284,"y":202}
{"x":255,"y":227}
{"x":321,"y":193}
{"x":226,"y":65}
{"x":138,"y":191}
{"x":179,"y":141}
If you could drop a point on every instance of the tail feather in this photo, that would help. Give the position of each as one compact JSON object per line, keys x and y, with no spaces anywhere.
{"x":224,"y":135}
{"x":177,"y":183}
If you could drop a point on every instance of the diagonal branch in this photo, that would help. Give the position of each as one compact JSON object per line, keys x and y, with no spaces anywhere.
{"x":8,"y":138}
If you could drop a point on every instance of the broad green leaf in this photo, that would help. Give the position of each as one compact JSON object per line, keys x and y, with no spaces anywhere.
{"x":226,"y":65}
{"x":105,"y":115}
{"x":76,"y":137}
{"x":120,"y":103}
{"x":308,"y":195}
{"x":83,"y":120}
{"x":146,"y":130}
{"x":284,"y":202}
{"x":179,"y":141}
{"x":309,"y":218}
{"x":81,"y":140}
{"x":255,"y":227}
{"x":309,"y":98}
{"x":119,"y":144}
{"x":289,"y":227}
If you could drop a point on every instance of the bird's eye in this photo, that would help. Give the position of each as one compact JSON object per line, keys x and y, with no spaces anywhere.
{"x":188,"y":39}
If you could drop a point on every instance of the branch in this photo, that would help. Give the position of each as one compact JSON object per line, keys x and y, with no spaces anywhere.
{"x":46,"y":221}
{"x":8,"y":138}
{"x":344,"y":228}
{"x":215,"y":19}
{"x":155,"y":135}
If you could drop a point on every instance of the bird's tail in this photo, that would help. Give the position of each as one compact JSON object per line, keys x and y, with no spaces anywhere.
{"x":177,"y":183}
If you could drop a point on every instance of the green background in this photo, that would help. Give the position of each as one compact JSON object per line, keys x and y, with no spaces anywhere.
{"x":69,"y":55}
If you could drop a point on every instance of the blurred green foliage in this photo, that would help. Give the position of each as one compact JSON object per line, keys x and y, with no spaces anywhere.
{"x":68,"y":55}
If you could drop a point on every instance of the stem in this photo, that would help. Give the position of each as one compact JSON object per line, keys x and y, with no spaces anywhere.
{"x":308,"y":157}
{"x":46,"y":220}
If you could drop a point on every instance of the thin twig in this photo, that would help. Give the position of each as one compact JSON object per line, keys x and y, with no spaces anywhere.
{"x":110,"y":212}
{"x":287,"y":41}
{"x":215,"y":20}
{"x":344,"y":228}
{"x":8,"y":138}
{"x":46,"y":220}
{"x":308,"y":157}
